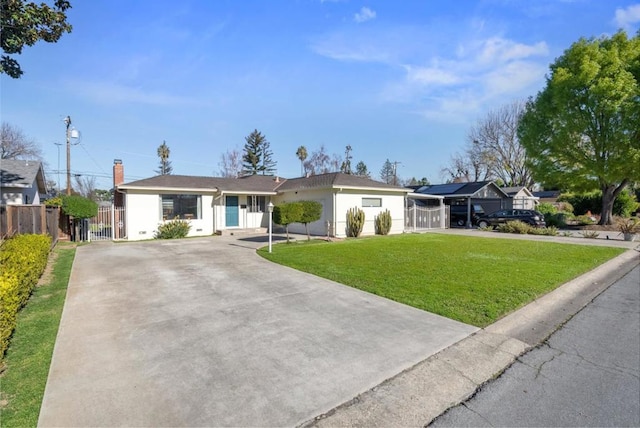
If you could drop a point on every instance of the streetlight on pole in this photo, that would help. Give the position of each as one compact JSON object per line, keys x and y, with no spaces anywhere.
{"x":270,"y":208}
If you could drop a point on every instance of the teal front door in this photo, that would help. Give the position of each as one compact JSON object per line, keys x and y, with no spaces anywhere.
{"x":231,"y":217}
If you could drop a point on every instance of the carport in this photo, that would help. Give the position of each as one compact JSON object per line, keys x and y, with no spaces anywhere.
{"x":485,"y":193}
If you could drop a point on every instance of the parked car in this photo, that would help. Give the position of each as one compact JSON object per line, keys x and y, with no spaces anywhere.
{"x":531,"y":217}
{"x":458,"y":214}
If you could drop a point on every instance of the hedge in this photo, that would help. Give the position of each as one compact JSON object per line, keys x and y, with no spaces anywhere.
{"x":22,"y":261}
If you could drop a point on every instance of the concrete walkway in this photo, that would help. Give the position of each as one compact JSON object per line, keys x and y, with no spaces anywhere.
{"x":203,"y":332}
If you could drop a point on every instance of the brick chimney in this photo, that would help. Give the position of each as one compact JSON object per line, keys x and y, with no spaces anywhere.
{"x":118,"y":179}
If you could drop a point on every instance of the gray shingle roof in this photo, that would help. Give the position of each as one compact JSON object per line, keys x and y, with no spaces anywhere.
{"x":252,"y":183}
{"x":21,"y":173}
{"x":259,"y":183}
{"x":335,"y":179}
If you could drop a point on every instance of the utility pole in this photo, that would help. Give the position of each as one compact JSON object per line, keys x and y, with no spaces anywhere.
{"x":67,"y":121}
{"x":58,"y":144}
{"x":395,"y":172}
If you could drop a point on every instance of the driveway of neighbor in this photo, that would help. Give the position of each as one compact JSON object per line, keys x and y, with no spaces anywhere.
{"x":204,"y":332}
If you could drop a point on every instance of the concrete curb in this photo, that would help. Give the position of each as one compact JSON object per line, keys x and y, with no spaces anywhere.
{"x":418,"y":395}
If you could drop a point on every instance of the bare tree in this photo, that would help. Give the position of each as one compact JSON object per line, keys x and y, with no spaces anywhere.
{"x":15,"y":145}
{"x":496,"y":138}
{"x":86,"y":186}
{"x":469,"y":166}
{"x":231,"y":164}
{"x":493,"y":151}
{"x":318,"y":163}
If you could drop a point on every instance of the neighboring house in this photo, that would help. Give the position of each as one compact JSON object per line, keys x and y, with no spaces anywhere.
{"x":550,"y":196}
{"x":214,"y":204}
{"x":484,"y":193}
{"x":521,"y":198}
{"x":21,"y":182}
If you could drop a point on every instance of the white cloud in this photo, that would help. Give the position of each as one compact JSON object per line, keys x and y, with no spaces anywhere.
{"x":625,"y":18}
{"x":364,"y":15}
{"x":497,"y":49}
{"x":431,"y":75}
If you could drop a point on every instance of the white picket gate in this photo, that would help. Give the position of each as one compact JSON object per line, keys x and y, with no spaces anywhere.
{"x":108,"y":225}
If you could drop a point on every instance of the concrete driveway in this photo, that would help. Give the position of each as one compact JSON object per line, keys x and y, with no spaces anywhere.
{"x":203,"y":332}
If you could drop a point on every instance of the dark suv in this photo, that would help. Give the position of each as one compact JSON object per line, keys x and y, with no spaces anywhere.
{"x":458,"y":214}
{"x":531,"y":217}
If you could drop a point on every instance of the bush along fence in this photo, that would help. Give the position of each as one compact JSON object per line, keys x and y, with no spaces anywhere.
{"x":22,"y":261}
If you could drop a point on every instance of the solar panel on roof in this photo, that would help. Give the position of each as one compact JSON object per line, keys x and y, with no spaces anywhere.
{"x":445,"y":189}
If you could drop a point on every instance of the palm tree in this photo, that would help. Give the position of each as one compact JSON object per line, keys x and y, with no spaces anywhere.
{"x":302,"y":155}
{"x":163,"y":154}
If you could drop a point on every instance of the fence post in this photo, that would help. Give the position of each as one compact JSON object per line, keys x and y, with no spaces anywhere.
{"x":113,"y":222}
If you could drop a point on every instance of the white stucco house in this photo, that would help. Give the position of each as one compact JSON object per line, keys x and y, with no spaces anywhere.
{"x":219,"y":205}
{"x":22,"y":182}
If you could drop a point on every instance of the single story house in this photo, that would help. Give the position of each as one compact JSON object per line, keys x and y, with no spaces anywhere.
{"x":223,"y":205}
{"x":521,"y":198}
{"x":22,"y":182}
{"x":486,"y":194}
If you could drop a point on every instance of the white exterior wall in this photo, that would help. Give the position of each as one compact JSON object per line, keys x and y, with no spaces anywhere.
{"x":317,"y":228}
{"x":347,"y":199}
{"x":15,"y":196}
{"x":246,"y":220}
{"x":144,"y":216}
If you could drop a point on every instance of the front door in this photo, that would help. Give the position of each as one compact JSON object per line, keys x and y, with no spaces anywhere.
{"x":231,"y":212}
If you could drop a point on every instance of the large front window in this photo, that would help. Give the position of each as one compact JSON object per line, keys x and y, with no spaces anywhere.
{"x":187,"y":207}
{"x":256,"y":204}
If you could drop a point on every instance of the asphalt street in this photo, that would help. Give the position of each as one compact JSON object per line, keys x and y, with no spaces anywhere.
{"x":586,"y":374}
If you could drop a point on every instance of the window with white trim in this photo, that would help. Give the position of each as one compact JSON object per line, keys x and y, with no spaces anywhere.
{"x":372,"y":202}
{"x":256,"y":203}
{"x":186,"y":207}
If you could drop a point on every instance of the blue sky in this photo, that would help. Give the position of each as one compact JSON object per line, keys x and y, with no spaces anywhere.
{"x":403,"y":80}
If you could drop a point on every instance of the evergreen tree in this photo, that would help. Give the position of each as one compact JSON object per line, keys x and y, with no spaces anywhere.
{"x":362,"y":170}
{"x":387,"y":173}
{"x":257,"y":157}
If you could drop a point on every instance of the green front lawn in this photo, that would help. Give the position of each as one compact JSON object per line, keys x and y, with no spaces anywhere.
{"x":29,"y":355}
{"x":469,"y":279}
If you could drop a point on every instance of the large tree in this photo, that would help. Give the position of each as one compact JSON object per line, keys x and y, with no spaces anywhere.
{"x":15,"y":145}
{"x":26,"y":23}
{"x":468,"y":166}
{"x":582,"y":131}
{"x":165,"y":167}
{"x":493,"y":151}
{"x":257,"y":157}
{"x":495,"y":141}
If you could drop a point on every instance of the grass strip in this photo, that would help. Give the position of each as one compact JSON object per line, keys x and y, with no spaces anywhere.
{"x":470,"y":279}
{"x":28,"y":358}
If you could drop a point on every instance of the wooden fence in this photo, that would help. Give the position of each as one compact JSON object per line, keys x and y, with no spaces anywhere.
{"x":22,"y":219}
